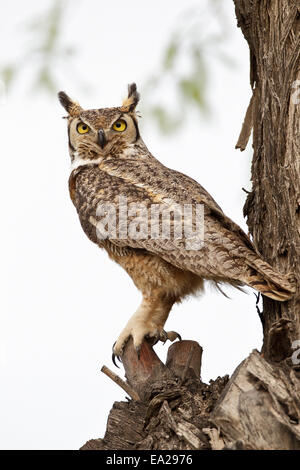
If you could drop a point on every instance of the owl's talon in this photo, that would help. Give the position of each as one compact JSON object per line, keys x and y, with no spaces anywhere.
{"x":151,"y":333}
{"x":152,"y":339}
{"x":163,"y":336}
{"x":179,"y":337}
{"x":172,"y":335}
{"x":114,"y":356}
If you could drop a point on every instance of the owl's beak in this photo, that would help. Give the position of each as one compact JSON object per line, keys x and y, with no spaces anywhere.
{"x":101,"y":138}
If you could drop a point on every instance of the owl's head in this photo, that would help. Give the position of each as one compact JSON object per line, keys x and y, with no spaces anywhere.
{"x":95,"y":133}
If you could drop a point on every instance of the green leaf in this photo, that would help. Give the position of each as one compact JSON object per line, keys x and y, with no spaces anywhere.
{"x":8,"y":74}
{"x":192,"y":89}
{"x":170,"y":55}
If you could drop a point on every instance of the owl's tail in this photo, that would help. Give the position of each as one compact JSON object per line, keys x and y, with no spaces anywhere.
{"x":262,"y":277}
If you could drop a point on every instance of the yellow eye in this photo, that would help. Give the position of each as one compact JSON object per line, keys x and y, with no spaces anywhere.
{"x":120,"y":125}
{"x":82,"y":128}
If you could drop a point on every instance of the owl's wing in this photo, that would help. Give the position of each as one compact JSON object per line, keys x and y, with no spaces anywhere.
{"x":219,"y":256}
{"x":156,"y":179}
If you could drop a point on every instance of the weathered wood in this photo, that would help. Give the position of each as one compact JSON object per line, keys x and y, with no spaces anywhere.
{"x":246,"y":128}
{"x":216,"y":442}
{"x":260,"y":406}
{"x":125,"y":427}
{"x":184,"y":359}
{"x":183,"y":429}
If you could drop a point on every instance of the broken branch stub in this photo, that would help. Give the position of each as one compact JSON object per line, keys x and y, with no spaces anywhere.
{"x":184,"y":359}
{"x":143,"y":372}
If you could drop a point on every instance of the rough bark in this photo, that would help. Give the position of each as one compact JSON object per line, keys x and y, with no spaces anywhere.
{"x":272,"y":30}
{"x":260,"y":407}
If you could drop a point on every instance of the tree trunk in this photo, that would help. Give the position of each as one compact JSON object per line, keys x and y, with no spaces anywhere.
{"x":259,"y":407}
{"x":272,"y":30}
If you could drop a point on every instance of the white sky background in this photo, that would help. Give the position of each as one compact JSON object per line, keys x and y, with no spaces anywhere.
{"x":63,"y":302}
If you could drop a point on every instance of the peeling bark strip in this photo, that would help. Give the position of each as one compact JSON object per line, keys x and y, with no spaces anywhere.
{"x":272,"y":30}
{"x":246,"y":128}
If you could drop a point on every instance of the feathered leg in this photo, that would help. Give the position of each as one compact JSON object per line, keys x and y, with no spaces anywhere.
{"x":147,"y":321}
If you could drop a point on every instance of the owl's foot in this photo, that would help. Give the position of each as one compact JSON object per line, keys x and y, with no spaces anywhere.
{"x":138,"y":333}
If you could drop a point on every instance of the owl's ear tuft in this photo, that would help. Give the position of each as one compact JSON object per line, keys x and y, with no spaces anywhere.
{"x":132,"y":99}
{"x":72,"y":107}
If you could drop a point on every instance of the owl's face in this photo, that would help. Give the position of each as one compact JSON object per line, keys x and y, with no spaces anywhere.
{"x":98,"y":133}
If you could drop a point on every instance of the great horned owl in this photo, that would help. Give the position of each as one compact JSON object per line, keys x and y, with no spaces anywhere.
{"x":110,"y":159}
